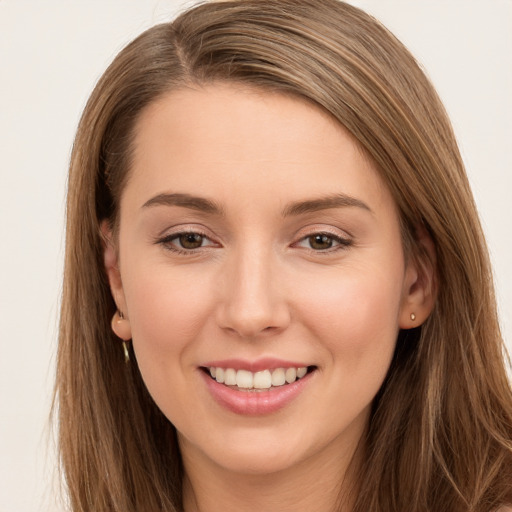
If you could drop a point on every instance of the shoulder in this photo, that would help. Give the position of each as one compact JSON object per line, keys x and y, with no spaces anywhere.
{"x":507,"y":508}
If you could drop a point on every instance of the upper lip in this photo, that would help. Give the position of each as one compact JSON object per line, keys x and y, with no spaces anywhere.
{"x":265,"y":363}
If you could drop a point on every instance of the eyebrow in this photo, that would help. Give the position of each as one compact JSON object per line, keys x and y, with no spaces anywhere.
{"x":324,"y":203}
{"x":186,"y":201}
{"x":293,"y":209}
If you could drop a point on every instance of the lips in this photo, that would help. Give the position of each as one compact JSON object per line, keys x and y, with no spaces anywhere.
{"x":257,"y":388}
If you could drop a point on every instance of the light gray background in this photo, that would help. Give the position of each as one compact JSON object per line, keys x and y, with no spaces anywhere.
{"x":51,"y":54}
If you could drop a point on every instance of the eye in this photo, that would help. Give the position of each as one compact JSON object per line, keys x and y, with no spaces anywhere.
{"x":190,"y":240}
{"x":320,"y":242}
{"x":186,"y":241}
{"x":324,"y":242}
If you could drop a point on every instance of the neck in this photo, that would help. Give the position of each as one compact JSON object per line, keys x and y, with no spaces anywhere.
{"x":323,"y":484}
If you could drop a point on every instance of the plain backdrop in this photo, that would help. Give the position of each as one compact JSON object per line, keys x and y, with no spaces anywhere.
{"x":52,"y":53}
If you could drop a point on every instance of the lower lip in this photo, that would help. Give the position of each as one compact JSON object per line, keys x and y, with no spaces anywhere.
{"x":255,"y":403}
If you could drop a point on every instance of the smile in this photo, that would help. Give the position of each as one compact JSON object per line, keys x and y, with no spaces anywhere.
{"x":257,"y":387}
{"x":245,"y":380}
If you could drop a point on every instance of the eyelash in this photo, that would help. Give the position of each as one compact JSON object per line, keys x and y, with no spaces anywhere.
{"x":342,"y":243}
{"x":167,"y":242}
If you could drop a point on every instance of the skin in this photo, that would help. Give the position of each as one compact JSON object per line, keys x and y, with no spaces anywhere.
{"x":258,"y":286}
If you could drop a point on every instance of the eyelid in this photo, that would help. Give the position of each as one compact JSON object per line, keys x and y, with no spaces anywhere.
{"x":317,"y":229}
{"x":177,"y":229}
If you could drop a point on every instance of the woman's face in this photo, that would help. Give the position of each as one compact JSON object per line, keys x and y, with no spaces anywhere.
{"x":257,"y":243}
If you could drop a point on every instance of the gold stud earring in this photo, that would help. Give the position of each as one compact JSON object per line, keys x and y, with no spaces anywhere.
{"x":413,"y":317}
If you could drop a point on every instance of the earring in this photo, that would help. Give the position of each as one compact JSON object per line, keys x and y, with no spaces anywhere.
{"x":122,"y":329}
{"x":125,"y":347}
{"x":126,"y":353}
{"x":413,"y":317}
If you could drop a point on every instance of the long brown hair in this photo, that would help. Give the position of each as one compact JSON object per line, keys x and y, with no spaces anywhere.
{"x":440,"y":433}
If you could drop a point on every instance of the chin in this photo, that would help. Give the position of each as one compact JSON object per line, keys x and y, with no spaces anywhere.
{"x":255,"y":463}
{"x":255,"y":451}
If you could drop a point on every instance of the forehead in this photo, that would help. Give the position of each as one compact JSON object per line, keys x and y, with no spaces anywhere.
{"x":223,"y":138}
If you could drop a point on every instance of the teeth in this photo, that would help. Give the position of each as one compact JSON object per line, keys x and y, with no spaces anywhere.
{"x":219,"y":375}
{"x":230,"y":377}
{"x":244,"y":379}
{"x":278,"y":378}
{"x":290,"y":375}
{"x":264,"y":379}
{"x":301,"y":372}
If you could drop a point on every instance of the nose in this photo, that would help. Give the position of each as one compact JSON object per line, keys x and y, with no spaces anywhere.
{"x":253,"y":301}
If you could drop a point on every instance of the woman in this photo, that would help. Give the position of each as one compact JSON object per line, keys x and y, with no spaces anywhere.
{"x":277,"y":295}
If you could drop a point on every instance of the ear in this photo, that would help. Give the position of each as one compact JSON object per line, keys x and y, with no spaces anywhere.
{"x":120,"y":321}
{"x":420,"y":284}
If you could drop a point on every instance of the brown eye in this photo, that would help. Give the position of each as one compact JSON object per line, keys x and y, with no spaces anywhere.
{"x":186,"y":242}
{"x":191,"y":240}
{"x":320,"y":242}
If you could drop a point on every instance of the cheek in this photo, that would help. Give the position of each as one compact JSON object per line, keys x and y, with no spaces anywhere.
{"x":167,"y":313}
{"x":167,"y":309}
{"x":355,"y":313}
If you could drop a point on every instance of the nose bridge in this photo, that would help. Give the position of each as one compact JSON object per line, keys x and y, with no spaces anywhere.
{"x":252,"y":301}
